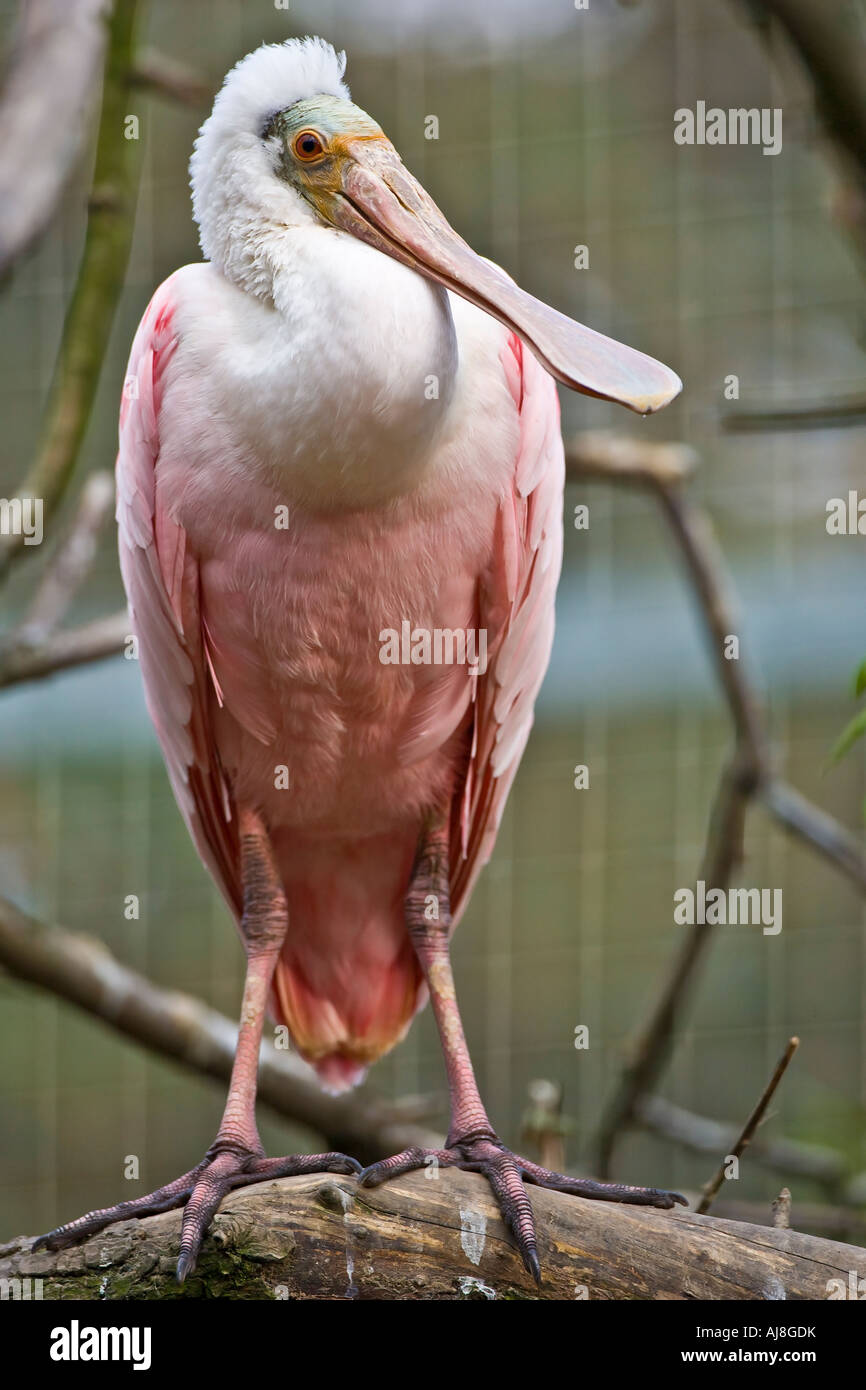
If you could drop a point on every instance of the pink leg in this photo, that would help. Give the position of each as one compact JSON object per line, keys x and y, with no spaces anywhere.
{"x":472,"y":1143}
{"x":236,"y":1157}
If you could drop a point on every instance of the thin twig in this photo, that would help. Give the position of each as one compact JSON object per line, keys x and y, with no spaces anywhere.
{"x":750,"y":1126}
{"x":789,"y":1157}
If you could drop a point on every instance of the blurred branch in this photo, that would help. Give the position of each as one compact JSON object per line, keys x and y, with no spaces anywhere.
{"x":36,"y":648}
{"x":797,"y":415}
{"x":826,"y":40}
{"x":705,"y":567}
{"x":28,"y":660}
{"x":155,"y":71}
{"x":650,"y":1051}
{"x":83,"y":972}
{"x":100,"y":281}
{"x":71,"y":563}
{"x":622,"y":458}
{"x":44,"y":107}
{"x":750,"y":1126}
{"x":662,"y":469}
{"x":816,"y":829}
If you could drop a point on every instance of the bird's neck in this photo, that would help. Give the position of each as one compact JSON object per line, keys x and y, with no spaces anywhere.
{"x":356,"y":365}
{"x":248,"y":244}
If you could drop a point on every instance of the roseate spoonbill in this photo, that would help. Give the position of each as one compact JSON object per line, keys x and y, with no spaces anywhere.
{"x":343,"y":422}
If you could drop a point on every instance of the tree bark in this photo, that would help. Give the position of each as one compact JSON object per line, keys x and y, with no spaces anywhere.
{"x":423,"y":1239}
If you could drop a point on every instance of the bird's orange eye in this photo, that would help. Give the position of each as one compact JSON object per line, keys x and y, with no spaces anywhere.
{"x":308,"y":146}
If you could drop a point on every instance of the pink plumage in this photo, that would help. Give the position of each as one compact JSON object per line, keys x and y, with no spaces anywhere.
{"x":347,"y":983}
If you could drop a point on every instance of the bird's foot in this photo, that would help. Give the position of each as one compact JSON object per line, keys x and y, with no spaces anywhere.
{"x":507,"y":1172}
{"x":225,"y":1166}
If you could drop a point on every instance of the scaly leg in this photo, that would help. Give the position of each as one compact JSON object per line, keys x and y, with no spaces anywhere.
{"x":236,"y":1157}
{"x":472,"y":1143}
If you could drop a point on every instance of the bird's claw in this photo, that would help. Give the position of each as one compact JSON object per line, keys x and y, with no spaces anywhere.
{"x":507,"y":1174}
{"x":200,"y":1192}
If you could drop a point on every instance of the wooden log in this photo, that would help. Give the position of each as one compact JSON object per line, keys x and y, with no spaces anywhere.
{"x":325,"y":1238}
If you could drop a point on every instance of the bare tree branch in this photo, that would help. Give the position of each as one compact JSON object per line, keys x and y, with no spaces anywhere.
{"x":693,"y":533}
{"x":44,"y":107}
{"x":36,"y":648}
{"x":62,"y":651}
{"x":661,"y":469}
{"x":100,"y":281}
{"x":751,"y":1125}
{"x":327,"y":1238}
{"x":796,"y":415}
{"x":815,"y":828}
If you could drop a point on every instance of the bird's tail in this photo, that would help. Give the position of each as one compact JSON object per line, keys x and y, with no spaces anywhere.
{"x":347,"y":983}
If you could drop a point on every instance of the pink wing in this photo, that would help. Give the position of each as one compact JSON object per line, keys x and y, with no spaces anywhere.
{"x":162,"y":583}
{"x":517,"y":609}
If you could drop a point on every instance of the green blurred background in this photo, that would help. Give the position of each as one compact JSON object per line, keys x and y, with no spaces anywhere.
{"x":555,"y":129}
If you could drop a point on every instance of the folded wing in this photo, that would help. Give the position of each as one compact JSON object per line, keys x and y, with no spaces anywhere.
{"x":517,"y":608}
{"x":161,"y":576}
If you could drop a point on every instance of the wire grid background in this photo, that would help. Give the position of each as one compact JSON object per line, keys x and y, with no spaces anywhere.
{"x":718,"y":260}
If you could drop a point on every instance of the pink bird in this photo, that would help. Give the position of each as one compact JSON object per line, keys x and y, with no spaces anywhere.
{"x":339,"y":488}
